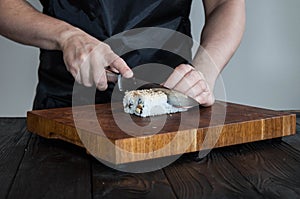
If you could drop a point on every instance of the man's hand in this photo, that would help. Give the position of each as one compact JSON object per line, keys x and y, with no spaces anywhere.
{"x":192,"y":83}
{"x":222,"y":33}
{"x":86,"y":58}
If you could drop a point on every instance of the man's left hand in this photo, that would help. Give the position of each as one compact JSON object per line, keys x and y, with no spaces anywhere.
{"x":187,"y":80}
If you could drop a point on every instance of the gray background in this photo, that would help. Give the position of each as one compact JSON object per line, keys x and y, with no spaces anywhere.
{"x":264,"y":71}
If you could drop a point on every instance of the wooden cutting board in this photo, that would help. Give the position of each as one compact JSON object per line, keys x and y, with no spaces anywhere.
{"x":114,"y":136}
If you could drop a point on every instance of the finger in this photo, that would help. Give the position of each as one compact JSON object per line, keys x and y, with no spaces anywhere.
{"x":116,"y":63}
{"x":111,"y":77}
{"x":205,"y":98}
{"x":98,"y":73}
{"x":76,"y":74}
{"x":105,"y":54}
{"x":86,"y":73}
{"x":120,"y":65}
{"x":77,"y":77}
{"x":177,"y":75}
{"x":195,"y":90}
{"x":100,"y":79}
{"x":189,"y":80}
{"x":204,"y":85}
{"x":72,"y":67}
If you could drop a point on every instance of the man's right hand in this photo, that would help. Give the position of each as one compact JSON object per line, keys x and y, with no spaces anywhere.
{"x":86,"y":58}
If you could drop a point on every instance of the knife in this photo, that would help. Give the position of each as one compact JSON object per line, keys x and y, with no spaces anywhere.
{"x":175,"y":98}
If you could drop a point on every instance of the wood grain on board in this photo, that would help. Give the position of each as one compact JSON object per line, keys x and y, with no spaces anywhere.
{"x":117,"y":137}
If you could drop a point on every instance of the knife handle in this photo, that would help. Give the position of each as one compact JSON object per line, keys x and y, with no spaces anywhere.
{"x":114,"y":77}
{"x":111,"y":76}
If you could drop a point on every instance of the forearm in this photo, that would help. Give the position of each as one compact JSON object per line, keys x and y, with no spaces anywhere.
{"x":221,"y":36}
{"x":22,"y":23}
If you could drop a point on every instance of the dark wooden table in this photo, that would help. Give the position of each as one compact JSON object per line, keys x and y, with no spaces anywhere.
{"x":33,"y":167}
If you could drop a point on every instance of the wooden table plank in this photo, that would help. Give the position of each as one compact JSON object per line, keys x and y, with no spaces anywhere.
{"x":211,"y":177}
{"x":13,"y":141}
{"x":55,"y":169}
{"x":109,"y":184}
{"x":52,"y":169}
{"x":272,"y":167}
{"x":294,"y":140}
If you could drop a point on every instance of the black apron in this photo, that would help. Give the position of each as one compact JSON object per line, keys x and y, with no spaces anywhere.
{"x":103,"y":19}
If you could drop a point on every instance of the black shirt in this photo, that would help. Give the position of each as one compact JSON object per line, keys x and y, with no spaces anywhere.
{"x":104,"y":19}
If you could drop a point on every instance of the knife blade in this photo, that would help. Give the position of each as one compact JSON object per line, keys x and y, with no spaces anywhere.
{"x":175,"y":98}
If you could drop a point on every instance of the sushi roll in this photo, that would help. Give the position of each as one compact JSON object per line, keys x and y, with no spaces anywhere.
{"x":148,"y":102}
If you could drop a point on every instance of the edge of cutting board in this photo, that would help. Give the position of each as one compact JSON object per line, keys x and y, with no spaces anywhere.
{"x":133,"y":149}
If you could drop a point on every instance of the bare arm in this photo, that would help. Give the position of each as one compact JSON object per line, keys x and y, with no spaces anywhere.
{"x":85,"y":56}
{"x":221,"y":36}
{"x":22,"y":23}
